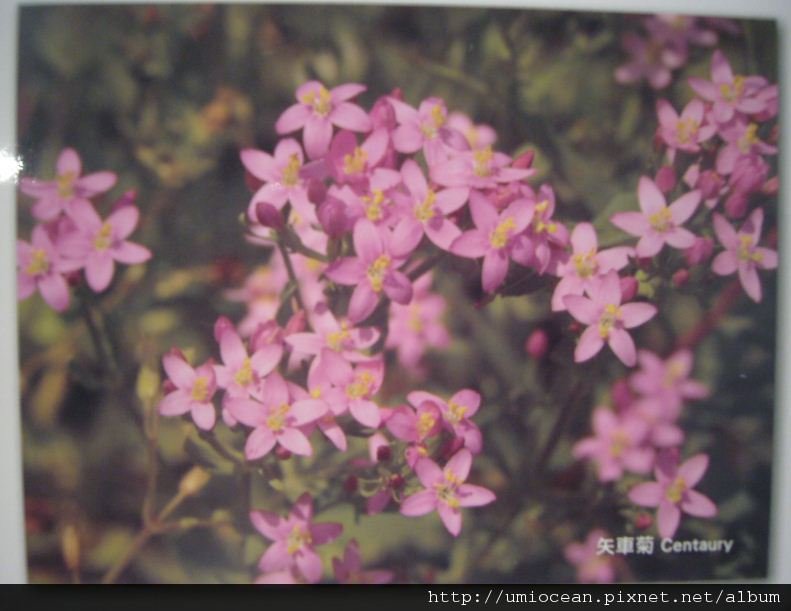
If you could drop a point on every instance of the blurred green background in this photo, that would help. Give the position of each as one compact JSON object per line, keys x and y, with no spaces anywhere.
{"x":167,"y":95}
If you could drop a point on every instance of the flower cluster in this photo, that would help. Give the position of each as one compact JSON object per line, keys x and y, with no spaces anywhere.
{"x":70,"y":236}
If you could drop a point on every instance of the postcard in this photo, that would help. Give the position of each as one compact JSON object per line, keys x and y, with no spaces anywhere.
{"x":392,"y":294}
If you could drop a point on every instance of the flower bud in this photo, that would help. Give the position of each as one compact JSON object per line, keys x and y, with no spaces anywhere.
{"x":317,"y":191}
{"x":350,"y":484}
{"x":383,"y":114}
{"x":665,"y":179}
{"x":282,"y":453}
{"x":379,"y":448}
{"x":269,"y":216}
{"x":771,"y":186}
{"x":397,"y":481}
{"x":537,"y":343}
{"x":525,"y":160}
{"x":127,"y":199}
{"x":332,"y":216}
{"x":265,"y":334}
{"x":700,"y":251}
{"x":736,"y":205}
{"x":643,"y":521}
{"x":680,"y":278}
{"x":222,"y":325}
{"x":710,"y":184}
{"x":622,"y":396}
{"x":193,"y":481}
{"x":629,"y":286}
{"x":296,"y":324}
{"x":384,"y":454}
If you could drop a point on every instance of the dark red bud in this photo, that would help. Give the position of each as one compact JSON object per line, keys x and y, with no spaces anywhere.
{"x":350,"y":484}
{"x":282,"y":453}
{"x":665,"y":179}
{"x":537,"y":343}
{"x":643,"y":521}
{"x":317,"y":191}
{"x":681,"y":277}
{"x":629,"y":286}
{"x":396,"y":481}
{"x":384,"y":454}
{"x":525,"y":160}
{"x":269,"y":216}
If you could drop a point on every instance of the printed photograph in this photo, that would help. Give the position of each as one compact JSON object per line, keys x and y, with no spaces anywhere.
{"x":388,"y":294}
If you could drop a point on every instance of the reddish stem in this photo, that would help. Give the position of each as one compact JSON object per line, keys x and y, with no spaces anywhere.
{"x":724,"y":303}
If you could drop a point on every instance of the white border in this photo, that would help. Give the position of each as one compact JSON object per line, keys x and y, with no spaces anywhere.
{"x":13,"y":566}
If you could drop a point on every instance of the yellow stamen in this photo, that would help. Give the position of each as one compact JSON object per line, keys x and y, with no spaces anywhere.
{"x":748,"y":138}
{"x":244,"y":376}
{"x":483,"y":160}
{"x":610,"y":316}
{"x":502,"y":233}
{"x":291,"y":171}
{"x":686,"y":130}
{"x":620,"y":442}
{"x":66,"y":184}
{"x":415,"y":321}
{"x":585,"y":263}
{"x":425,"y":210}
{"x":662,"y":220}
{"x":456,"y":412}
{"x":675,"y":491}
{"x":746,"y":250}
{"x":354,"y":163}
{"x":377,"y":271}
{"x":200,"y":389}
{"x":437,"y":120}
{"x":297,"y":539}
{"x":373,"y":205}
{"x":446,"y":491}
{"x":361,"y":386}
{"x":277,"y":419}
{"x":731,"y":91}
{"x":336,"y":339}
{"x":320,"y":100}
{"x":103,"y":238}
{"x":39,"y":263}
{"x":425,"y":423}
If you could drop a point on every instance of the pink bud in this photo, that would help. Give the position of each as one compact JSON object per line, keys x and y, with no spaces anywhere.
{"x":681,"y":277}
{"x":665,"y":179}
{"x":736,"y":205}
{"x":379,"y":448}
{"x":222,"y":325}
{"x":168,"y":386}
{"x":350,"y":484}
{"x":282,"y":453}
{"x":269,"y":216}
{"x":710,"y":184}
{"x":537,"y":343}
{"x":382,"y":114}
{"x":622,"y":396}
{"x":396,"y":481}
{"x":317,"y":191}
{"x":525,"y":160}
{"x":643,"y":521}
{"x":397,"y":94}
{"x":700,"y":251}
{"x":771,"y":186}
{"x":749,"y":174}
{"x":127,"y":199}
{"x":74,"y":278}
{"x":266,"y":333}
{"x":296,"y":324}
{"x":629,"y":286}
{"x":332,"y":216}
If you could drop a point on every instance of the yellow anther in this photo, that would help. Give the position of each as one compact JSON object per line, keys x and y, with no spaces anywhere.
{"x":336,"y":339}
{"x":662,"y":220}
{"x":103,"y":238}
{"x":483,"y":161}
{"x":377,"y":271}
{"x":425,"y":210}
{"x":277,"y":419}
{"x":39,"y":263}
{"x":686,"y":130}
{"x":585,"y":263}
{"x":320,"y":100}
{"x":291,"y":171}
{"x":425,"y":423}
{"x":731,"y":91}
{"x":748,"y":138}
{"x":610,"y":316}
{"x":373,"y":205}
{"x":502,"y":233}
{"x":675,"y":492}
{"x":244,"y":376}
{"x":354,"y":163}
{"x":456,"y":412}
{"x":361,"y":385}
{"x":65,"y":184}
{"x":297,"y":539}
{"x":200,"y":389}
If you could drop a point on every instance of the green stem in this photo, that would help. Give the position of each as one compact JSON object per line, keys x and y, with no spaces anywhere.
{"x":291,"y":275}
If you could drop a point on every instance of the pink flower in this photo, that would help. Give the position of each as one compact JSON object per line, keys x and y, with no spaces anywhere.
{"x":98,"y":244}
{"x":544,"y":244}
{"x":742,"y":253}
{"x":417,"y":326}
{"x":375,"y":268}
{"x":729,"y":93}
{"x":329,"y":332}
{"x":350,"y":163}
{"x":241,"y":374}
{"x":667,"y":381}
{"x":40,"y":266}
{"x":376,"y":203}
{"x":277,"y":419}
{"x":592,"y":567}
{"x":672,"y":493}
{"x":57,"y":196}
{"x":445,"y":491}
{"x":456,"y":413}
{"x":651,"y":60}
{"x":282,"y":174}
{"x":294,"y":541}
{"x":426,"y":209}
{"x":420,"y":128}
{"x":477,"y":136}
{"x":318,"y":109}
{"x":658,"y":224}
{"x":494,"y":237}
{"x":415,"y":426}
{"x":617,"y":445}
{"x":586,"y":264}
{"x":686,"y":132}
{"x":359,"y":384}
{"x":194,"y":391}
{"x":349,"y":569}
{"x":478,"y":169}
{"x":607,"y":320}
{"x":742,"y":141}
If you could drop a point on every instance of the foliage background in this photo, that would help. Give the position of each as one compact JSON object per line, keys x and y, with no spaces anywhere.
{"x":167,"y":95}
